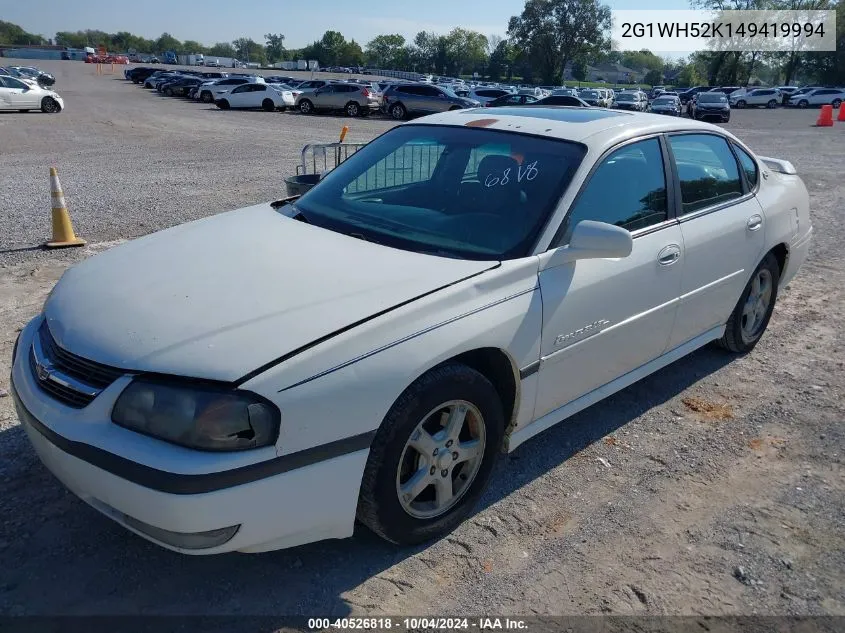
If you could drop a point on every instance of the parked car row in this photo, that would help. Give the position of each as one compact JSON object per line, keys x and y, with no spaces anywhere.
{"x":31,"y":73}
{"x":226,"y":90}
{"x":771,"y":97}
{"x":23,"y":93}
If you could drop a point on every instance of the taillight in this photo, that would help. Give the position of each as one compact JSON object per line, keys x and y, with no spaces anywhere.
{"x":365,"y":92}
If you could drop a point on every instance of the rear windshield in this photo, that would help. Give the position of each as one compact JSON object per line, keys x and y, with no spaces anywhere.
{"x":664,"y":100}
{"x":625,"y":97}
{"x":712,"y":97}
{"x":590,"y":94}
{"x":459,"y":192}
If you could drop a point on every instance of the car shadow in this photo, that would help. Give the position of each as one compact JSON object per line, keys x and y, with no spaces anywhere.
{"x":61,"y":557}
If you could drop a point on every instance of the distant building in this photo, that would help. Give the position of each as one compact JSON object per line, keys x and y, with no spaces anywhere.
{"x":607,"y":72}
{"x":613,"y":73}
{"x":43,"y":51}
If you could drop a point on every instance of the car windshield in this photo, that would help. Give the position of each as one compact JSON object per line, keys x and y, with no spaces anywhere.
{"x":625,"y":97}
{"x":712,"y":97}
{"x":449,"y":92}
{"x":454,"y":191}
{"x":664,"y":101}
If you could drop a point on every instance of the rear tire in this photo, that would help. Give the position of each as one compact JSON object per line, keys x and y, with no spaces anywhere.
{"x":836,"y":103}
{"x":168,"y":92}
{"x":205,"y":96}
{"x":268,"y":106}
{"x":352,"y":109}
{"x":772,"y":104}
{"x":750,"y":317}
{"x":415,"y":443}
{"x":306,"y":107}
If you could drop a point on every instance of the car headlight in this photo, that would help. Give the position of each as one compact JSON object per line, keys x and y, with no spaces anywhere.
{"x":203,"y":417}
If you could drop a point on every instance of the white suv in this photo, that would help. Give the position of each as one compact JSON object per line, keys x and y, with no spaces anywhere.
{"x":769,"y":97}
{"x":819,"y":96}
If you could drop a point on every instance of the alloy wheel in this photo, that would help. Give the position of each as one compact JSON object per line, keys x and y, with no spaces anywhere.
{"x":441,"y":459}
{"x":756,"y":305}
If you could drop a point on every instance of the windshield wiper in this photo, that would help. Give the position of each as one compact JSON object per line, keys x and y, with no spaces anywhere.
{"x":361,"y":236}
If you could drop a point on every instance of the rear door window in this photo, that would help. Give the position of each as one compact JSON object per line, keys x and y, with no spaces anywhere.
{"x":707,"y":170}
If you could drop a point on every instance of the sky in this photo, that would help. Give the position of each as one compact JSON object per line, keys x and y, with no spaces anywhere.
{"x":210,"y":21}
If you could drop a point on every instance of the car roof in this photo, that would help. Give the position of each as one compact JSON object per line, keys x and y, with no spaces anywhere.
{"x":595,"y":126}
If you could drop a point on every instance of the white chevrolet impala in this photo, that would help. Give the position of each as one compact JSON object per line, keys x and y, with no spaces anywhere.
{"x":263,"y":378}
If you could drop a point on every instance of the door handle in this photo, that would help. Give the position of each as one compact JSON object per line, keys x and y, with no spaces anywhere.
{"x":754,"y":222}
{"x":669,"y":255}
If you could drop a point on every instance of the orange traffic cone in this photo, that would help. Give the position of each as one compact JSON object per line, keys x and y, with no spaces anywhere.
{"x":841,"y":116}
{"x":343,"y":131}
{"x":63,"y":234}
{"x":826,"y":116}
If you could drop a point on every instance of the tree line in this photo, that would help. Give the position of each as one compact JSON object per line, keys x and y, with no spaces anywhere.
{"x":549,"y":42}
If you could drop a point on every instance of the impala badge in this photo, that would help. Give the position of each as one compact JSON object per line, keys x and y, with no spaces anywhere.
{"x":581,"y":333}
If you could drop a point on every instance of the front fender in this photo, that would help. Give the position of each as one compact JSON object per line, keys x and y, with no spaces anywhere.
{"x":344,"y":387}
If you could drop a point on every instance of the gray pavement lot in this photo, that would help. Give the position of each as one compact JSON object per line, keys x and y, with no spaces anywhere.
{"x":715,"y":486}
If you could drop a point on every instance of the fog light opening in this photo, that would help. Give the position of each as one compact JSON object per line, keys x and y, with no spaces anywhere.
{"x":184,"y":540}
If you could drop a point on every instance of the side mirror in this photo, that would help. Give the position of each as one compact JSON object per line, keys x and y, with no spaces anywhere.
{"x":593,"y":240}
{"x":440,"y":95}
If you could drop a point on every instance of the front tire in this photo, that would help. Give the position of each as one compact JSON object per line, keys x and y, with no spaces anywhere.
{"x":223,"y":104}
{"x":772,"y":104}
{"x":803,"y":103}
{"x":836,"y":103}
{"x":740,"y":104}
{"x":751,"y":315}
{"x":206,"y":97}
{"x":50,"y":105}
{"x":433,"y":456}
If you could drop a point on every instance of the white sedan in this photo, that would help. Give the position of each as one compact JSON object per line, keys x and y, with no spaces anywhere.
{"x":268,"y":97}
{"x":261,"y":378}
{"x":24,"y":95}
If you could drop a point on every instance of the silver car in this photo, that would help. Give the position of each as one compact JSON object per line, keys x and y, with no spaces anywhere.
{"x":403,"y":99}
{"x":354,"y":99}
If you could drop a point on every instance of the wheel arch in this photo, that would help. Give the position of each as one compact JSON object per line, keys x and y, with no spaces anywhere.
{"x":499,"y":368}
{"x":781,"y":253}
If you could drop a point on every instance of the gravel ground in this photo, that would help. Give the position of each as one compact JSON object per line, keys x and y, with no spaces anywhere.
{"x":715,"y":486}
{"x":132,"y":161}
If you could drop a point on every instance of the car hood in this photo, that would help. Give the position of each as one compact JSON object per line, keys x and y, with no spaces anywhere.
{"x":220,"y":297}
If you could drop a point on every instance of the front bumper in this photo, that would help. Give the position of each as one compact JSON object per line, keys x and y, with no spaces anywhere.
{"x":150,"y":486}
{"x":699,"y":112}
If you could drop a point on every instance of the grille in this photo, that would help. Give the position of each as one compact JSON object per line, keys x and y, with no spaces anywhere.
{"x":90,"y":373}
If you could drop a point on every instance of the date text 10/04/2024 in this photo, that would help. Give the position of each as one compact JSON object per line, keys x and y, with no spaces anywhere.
{"x":447,"y":624}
